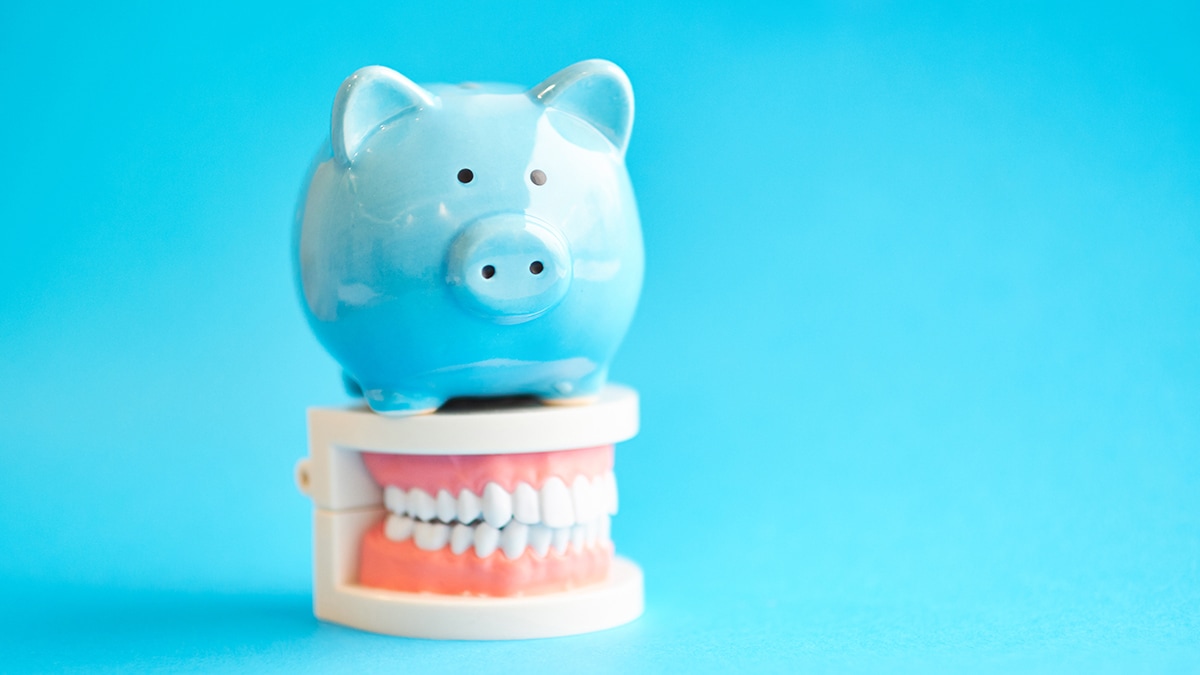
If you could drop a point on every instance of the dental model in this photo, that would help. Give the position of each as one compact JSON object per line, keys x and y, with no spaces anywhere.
{"x":475,"y":241}
{"x":492,"y":524}
{"x":522,"y":550}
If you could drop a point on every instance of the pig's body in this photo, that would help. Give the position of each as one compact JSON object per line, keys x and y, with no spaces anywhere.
{"x":521,"y":279}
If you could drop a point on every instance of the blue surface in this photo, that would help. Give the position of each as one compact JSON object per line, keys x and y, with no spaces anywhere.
{"x":919,"y":345}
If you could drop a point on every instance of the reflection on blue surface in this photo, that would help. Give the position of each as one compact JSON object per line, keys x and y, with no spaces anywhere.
{"x":918,"y":347}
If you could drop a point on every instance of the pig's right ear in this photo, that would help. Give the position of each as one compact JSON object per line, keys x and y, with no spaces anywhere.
{"x":596,"y":91}
{"x":368,"y":99}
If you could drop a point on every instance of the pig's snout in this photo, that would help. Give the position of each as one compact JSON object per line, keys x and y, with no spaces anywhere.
{"x":509,"y":267}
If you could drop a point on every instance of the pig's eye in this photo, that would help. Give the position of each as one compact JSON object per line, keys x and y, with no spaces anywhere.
{"x":538,"y":177}
{"x":466,"y":176}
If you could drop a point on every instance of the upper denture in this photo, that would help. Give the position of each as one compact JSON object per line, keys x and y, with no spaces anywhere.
{"x":554,"y":505}
{"x":454,"y":473}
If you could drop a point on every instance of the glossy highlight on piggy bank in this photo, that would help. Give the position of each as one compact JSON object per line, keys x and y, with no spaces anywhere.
{"x":473,"y":239}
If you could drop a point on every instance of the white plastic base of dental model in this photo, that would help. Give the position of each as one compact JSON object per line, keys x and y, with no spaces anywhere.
{"x":336,"y":598}
{"x":334,"y":477}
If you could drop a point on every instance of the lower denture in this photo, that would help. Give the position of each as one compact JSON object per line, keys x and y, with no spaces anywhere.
{"x":401,"y":566}
{"x":491,"y":525}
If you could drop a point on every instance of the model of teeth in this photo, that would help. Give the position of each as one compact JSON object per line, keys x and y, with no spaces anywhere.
{"x":526,"y":516}
{"x":471,"y":523}
{"x":515,"y":524}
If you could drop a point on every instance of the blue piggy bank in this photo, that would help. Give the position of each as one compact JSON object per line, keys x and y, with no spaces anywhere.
{"x":473,"y":239}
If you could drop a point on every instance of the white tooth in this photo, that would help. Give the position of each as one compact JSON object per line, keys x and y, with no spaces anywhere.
{"x":487,"y":538}
{"x":497,"y":505}
{"x":398,"y":528}
{"x":582,"y":499}
{"x":447,"y":506}
{"x":525,"y":504}
{"x":461,"y":538}
{"x":604,"y":524}
{"x":578,"y":537}
{"x":513,"y":539}
{"x":468,"y":506}
{"x":420,"y":504}
{"x":600,"y":493}
{"x":557,"y":510}
{"x":609,"y":493}
{"x":562,"y":539}
{"x":592,"y":531}
{"x":431,"y":536}
{"x":539,"y":539}
{"x":393,"y":498}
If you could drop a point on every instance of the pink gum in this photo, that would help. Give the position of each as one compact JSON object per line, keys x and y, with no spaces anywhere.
{"x":453,"y":473}
{"x":401,"y":566}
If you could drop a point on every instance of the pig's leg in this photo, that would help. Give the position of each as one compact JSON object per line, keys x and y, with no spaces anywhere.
{"x":402,"y":403}
{"x":582,"y":391}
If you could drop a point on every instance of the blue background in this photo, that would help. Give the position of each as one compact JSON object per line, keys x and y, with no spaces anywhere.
{"x":919,"y":346}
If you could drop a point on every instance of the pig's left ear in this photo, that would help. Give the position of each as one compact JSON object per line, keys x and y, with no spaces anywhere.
{"x":369,"y":98}
{"x":597,"y":91}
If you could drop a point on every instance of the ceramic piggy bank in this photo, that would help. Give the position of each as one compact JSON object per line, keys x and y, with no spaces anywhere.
{"x":474,"y":239}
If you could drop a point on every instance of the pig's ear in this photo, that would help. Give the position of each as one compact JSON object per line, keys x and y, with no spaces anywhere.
{"x":597,"y":91}
{"x":369,"y":98}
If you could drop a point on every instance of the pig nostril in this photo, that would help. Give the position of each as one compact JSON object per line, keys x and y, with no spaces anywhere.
{"x":488,"y":271}
{"x":536,"y":267}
